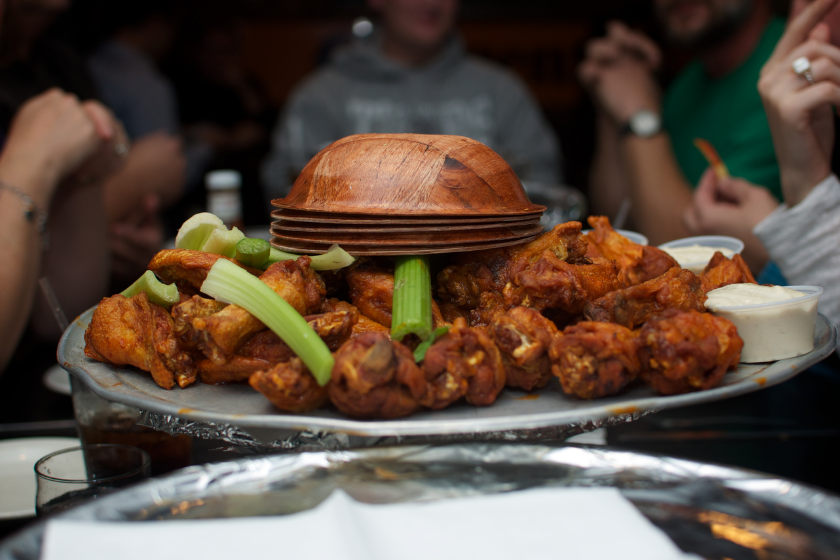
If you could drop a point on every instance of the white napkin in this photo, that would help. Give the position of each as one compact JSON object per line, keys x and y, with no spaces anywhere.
{"x":568,"y":523}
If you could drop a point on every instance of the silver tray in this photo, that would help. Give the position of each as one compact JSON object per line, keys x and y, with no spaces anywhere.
{"x":239,"y":405}
{"x":714,"y":511}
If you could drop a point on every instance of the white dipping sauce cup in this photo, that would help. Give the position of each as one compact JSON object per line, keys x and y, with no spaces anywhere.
{"x":776,"y":330}
{"x":715,"y":241}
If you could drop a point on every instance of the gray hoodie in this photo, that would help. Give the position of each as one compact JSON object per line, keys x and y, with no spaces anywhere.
{"x":361,"y":91}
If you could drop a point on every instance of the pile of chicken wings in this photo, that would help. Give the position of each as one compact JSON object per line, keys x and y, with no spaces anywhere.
{"x":596,"y":311}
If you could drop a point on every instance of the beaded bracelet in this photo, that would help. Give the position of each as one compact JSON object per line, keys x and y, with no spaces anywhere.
{"x":31,"y":212}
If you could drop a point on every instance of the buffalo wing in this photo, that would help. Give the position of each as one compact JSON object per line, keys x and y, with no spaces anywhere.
{"x":630,"y":307}
{"x":524,"y":337}
{"x":637,"y":263}
{"x":688,"y":351}
{"x":594,"y":360}
{"x":133,"y":331}
{"x":375,"y":377}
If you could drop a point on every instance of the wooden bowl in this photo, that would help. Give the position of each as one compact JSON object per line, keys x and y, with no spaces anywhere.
{"x":409,"y":175}
{"x":365,"y":219}
{"x":430,"y":238}
{"x":361,"y":249}
{"x":293,"y":227}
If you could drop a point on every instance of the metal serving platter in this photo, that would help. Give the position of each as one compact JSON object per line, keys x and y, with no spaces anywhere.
{"x":714,"y":511}
{"x":514,"y":410}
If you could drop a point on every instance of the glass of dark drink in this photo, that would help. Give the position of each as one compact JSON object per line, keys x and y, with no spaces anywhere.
{"x":76,"y":475}
{"x":102,"y":421}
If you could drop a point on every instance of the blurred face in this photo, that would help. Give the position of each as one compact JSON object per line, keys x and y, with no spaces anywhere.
{"x":701,"y":23}
{"x":420,"y":24}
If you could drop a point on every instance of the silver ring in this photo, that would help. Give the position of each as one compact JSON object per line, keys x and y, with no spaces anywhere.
{"x":802,"y":67}
{"x":121,"y":148}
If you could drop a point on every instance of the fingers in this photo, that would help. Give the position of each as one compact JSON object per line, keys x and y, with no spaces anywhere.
{"x":704,"y":195}
{"x":102,"y":119}
{"x":800,"y":27}
{"x":634,"y":42}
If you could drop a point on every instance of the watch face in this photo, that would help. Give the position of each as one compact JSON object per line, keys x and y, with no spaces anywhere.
{"x":645,"y":123}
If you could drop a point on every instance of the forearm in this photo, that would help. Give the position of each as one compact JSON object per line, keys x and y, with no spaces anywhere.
{"x":804,"y":241}
{"x":77,"y":262}
{"x":608,"y":185}
{"x":21,"y":254}
{"x":658,"y":188}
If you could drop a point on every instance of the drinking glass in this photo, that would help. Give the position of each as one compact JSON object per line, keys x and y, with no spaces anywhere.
{"x":76,"y":475}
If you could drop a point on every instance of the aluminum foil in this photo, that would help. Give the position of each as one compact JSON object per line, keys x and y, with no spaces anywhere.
{"x":255,"y":440}
{"x":713,"y":511}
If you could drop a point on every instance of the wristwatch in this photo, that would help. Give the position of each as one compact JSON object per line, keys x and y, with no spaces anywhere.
{"x":643,"y":124}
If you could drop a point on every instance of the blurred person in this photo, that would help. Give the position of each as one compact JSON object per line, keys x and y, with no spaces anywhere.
{"x":153,"y":176}
{"x":645,"y":153}
{"x":803,"y":234}
{"x":221,"y":106}
{"x":54,"y":155}
{"x":412,"y":74}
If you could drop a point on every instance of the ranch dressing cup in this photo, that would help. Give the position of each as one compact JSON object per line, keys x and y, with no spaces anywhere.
{"x":771,"y":330}
{"x":694,"y":253}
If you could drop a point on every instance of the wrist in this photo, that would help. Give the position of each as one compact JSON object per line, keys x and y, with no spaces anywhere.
{"x":644,"y":123}
{"x":34,"y":179}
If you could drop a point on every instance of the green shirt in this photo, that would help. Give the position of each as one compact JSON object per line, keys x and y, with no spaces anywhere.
{"x":728,"y":113}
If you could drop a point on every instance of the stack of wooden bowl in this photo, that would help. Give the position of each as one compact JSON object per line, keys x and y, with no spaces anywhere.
{"x":397,"y":194}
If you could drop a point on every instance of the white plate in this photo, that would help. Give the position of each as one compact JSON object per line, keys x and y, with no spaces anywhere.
{"x":57,"y":379}
{"x":17,"y":472}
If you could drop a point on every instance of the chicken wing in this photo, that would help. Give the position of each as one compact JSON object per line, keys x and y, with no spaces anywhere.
{"x":265,"y":349}
{"x":688,"y":351}
{"x":363,"y":324}
{"x":222,"y":333}
{"x":133,"y":331}
{"x":184,"y":312}
{"x":550,"y":283}
{"x":372,"y":290}
{"x":594,"y":360}
{"x":463,"y":362}
{"x":188,"y":269}
{"x":637,"y":263}
{"x":722,"y":271}
{"x":290,"y":387}
{"x":524,"y":336}
{"x":630,"y":307}
{"x":478,"y":272}
{"x":375,"y":377}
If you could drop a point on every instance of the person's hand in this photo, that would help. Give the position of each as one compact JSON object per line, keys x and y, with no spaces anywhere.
{"x":51,"y":136}
{"x":111,"y":155}
{"x":156,"y":165}
{"x":730,"y":207}
{"x":727,"y":206}
{"x":619,"y":71}
{"x":135,"y":240}
{"x":799,"y":113}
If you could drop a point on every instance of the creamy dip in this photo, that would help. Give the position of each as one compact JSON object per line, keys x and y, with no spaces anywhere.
{"x":696,"y":257}
{"x":772,"y":322}
{"x":748,"y":294}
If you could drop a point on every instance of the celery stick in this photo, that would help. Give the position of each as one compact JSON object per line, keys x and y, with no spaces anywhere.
{"x":194,"y":232}
{"x":412,"y":307}
{"x":223,"y":242}
{"x":423,"y":347}
{"x":333,"y":259}
{"x":229,"y":283}
{"x":165,"y":295}
{"x":253,"y":252}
